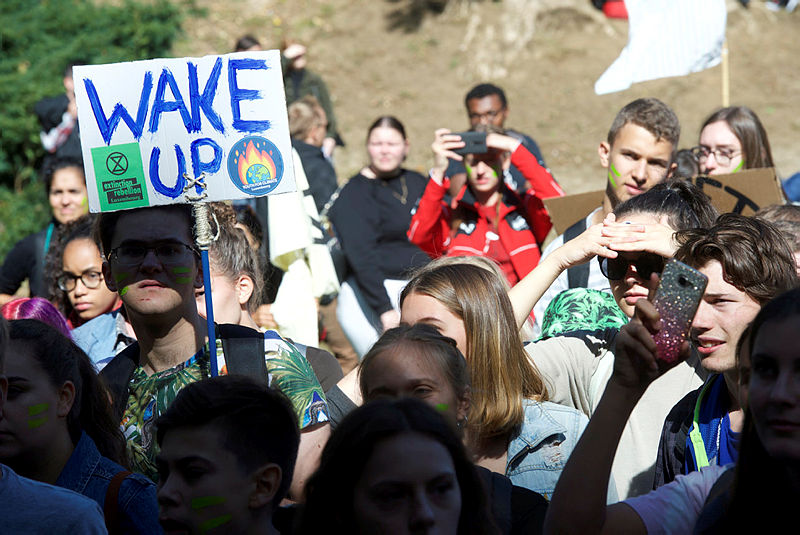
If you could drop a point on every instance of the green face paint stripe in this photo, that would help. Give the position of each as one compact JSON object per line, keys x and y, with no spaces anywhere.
{"x":33,"y":410}
{"x":181,"y":270}
{"x":468,"y":167}
{"x":442,"y":407}
{"x":612,"y":169}
{"x":183,"y":280}
{"x":207,"y":501}
{"x":33,"y":424}
{"x":739,"y":167}
{"x":123,"y":291}
{"x":214,"y":523}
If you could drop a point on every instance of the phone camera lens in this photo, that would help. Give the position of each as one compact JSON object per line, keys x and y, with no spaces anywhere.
{"x":682,"y":281}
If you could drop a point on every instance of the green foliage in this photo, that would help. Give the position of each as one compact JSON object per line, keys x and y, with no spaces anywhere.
{"x":39,"y":38}
{"x":21,"y":213}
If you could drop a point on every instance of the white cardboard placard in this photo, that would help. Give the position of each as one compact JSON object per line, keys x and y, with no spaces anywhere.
{"x":144,"y":123}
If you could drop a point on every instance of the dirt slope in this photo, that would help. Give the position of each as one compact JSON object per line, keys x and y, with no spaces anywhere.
{"x":547,"y":55}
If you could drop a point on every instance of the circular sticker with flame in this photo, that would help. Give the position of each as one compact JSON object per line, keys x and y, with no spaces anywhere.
{"x":255,"y":165}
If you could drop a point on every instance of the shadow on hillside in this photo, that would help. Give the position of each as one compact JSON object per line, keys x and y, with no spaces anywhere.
{"x":409,"y":14}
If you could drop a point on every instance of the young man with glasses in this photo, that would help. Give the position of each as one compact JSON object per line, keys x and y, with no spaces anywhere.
{"x":153,"y":264}
{"x":486,"y":104}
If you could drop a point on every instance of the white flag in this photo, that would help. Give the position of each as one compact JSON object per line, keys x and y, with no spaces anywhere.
{"x":666,"y":38}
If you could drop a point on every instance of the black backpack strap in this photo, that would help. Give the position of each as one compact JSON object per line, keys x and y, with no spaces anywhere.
{"x":578,"y":276}
{"x":244,"y":351}
{"x":117,"y":375}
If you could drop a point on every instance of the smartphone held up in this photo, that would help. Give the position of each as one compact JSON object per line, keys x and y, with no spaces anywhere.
{"x":676,"y":299}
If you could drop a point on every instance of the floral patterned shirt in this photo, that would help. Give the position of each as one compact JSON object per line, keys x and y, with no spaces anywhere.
{"x":150,"y":395}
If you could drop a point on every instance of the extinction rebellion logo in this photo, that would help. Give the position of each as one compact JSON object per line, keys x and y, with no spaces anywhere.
{"x":255,"y":165}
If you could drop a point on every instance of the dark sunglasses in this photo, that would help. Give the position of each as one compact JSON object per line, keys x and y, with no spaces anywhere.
{"x":646,"y":264}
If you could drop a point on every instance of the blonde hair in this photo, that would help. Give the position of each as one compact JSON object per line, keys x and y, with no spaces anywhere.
{"x":304,"y":114}
{"x":501,"y":373}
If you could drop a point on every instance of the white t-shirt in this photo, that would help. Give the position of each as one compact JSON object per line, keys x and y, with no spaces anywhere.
{"x":675,"y":507}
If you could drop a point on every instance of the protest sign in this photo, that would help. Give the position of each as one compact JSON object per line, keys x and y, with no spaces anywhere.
{"x":743,"y":193}
{"x":144,"y":124}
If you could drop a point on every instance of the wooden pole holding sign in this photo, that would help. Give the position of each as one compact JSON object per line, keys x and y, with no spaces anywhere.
{"x":726,"y":76}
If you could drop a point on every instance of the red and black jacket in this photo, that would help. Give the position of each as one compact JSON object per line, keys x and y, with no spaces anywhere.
{"x":460,"y":230}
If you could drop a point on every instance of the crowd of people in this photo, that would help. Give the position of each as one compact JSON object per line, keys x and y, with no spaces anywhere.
{"x":403,"y":353}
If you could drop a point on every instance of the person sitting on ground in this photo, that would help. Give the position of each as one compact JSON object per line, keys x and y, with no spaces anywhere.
{"x":417,"y":361}
{"x":733,"y":139}
{"x":371,"y":218}
{"x":637,"y":154}
{"x":747,"y":262}
{"x":488,"y":219}
{"x":73,"y":270}
{"x":59,"y":428}
{"x":154,"y":266}
{"x":757,"y":494}
{"x":634,"y":242}
{"x":65,"y":185}
{"x":228,"y":449}
{"x":395,"y":466}
{"x":236,"y":289}
{"x":28,"y":506}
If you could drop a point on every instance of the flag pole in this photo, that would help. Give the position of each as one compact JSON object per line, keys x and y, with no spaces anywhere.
{"x":726,"y":76}
{"x":204,"y":238}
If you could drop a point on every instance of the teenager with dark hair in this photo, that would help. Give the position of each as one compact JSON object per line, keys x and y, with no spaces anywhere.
{"x":28,"y":506}
{"x":74,"y":274}
{"x":632,"y":243}
{"x":637,"y":154}
{"x":395,"y":467}
{"x":65,"y":185}
{"x":417,"y":361}
{"x":731,"y":139}
{"x":57,"y":428}
{"x":154,"y":266}
{"x":228,"y":450}
{"x":486,"y":105}
{"x":758,"y":495}
{"x":747,"y":262}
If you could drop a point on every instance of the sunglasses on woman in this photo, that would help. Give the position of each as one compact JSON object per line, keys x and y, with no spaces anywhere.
{"x":646,"y":264}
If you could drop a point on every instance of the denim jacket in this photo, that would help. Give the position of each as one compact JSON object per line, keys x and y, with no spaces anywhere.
{"x":89,"y":473}
{"x":538,"y":453}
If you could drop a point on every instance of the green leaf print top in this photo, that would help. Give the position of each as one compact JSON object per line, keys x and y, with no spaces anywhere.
{"x":150,"y":395}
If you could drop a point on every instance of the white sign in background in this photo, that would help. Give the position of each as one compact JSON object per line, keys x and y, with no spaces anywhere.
{"x":144,"y":124}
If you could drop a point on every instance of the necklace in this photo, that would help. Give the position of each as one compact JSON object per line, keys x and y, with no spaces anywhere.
{"x":402,"y":197}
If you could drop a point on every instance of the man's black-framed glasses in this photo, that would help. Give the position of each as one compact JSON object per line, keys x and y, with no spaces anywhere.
{"x":131,"y":254}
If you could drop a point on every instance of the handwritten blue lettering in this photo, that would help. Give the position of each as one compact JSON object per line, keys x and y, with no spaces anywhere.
{"x":160,"y":105}
{"x":175,"y":191}
{"x":237,"y":94}
{"x":204,"y":101}
{"x":199,"y":166}
{"x":108,"y":126}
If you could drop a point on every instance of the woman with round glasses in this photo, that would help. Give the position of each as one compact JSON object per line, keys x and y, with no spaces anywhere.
{"x":732,"y":139}
{"x":75,"y":274}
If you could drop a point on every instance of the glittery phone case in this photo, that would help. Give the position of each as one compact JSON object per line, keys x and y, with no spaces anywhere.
{"x":676,"y":299}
